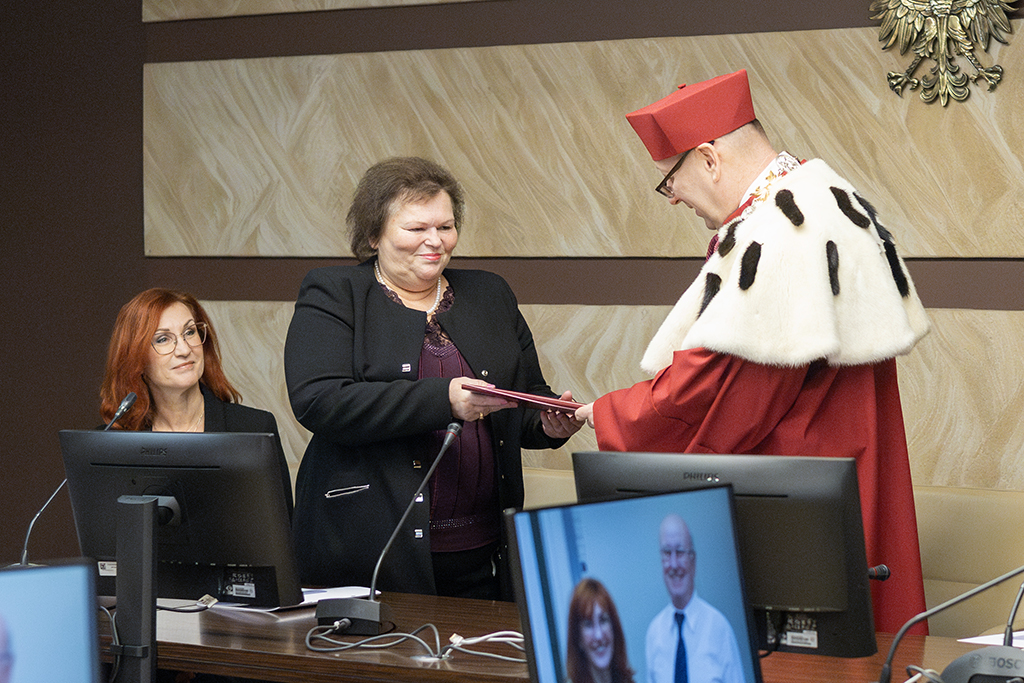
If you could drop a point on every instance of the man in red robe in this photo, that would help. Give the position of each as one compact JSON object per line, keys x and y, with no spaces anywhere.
{"x":785,"y":344}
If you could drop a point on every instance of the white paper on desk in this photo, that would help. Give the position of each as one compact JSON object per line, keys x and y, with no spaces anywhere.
{"x":996,"y":639}
{"x":310,"y":597}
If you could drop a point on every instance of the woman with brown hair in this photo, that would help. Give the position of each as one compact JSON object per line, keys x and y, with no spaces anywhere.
{"x":376,"y":360}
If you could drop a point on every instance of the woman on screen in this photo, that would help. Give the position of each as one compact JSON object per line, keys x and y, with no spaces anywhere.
{"x":375,"y":360}
{"x":164,"y":349}
{"x":597,"y":645}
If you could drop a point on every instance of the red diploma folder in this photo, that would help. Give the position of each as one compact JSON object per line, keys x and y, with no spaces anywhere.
{"x":529,"y":400}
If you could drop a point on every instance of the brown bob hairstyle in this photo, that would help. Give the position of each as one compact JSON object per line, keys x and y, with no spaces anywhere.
{"x":128,"y":356}
{"x":387,"y":185}
{"x":590,"y":592}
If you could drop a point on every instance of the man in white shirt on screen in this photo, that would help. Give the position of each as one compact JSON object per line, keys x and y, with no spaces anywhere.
{"x":707,"y":651}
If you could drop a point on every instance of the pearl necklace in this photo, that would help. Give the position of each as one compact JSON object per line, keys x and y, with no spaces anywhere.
{"x":380,"y":278}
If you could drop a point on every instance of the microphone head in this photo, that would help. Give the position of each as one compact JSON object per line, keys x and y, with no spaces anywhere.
{"x":879,"y":573}
{"x":126,"y":403}
{"x":455,"y":428}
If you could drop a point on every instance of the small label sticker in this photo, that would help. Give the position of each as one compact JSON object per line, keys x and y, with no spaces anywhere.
{"x":107,"y":568}
{"x":241,"y":590}
{"x":808,"y":639}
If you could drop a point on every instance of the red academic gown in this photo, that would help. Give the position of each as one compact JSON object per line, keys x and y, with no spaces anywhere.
{"x":707,"y":402}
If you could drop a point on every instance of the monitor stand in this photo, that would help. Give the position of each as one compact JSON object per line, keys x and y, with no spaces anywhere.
{"x":136,"y":588}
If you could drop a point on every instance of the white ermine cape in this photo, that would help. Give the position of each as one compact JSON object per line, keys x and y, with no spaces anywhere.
{"x":808,"y":274}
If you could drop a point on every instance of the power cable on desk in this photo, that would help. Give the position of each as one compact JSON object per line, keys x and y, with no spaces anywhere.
{"x":457,"y":643}
{"x":198,"y":607}
{"x":114,"y":641}
{"x":917,"y":673}
{"x":512,"y":638}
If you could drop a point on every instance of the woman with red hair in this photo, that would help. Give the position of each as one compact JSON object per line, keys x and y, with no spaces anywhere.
{"x":164,"y":348}
{"x":597,"y":644}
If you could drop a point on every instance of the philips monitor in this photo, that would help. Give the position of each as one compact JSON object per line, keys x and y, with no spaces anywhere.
{"x":223,"y":525}
{"x":598,"y":586}
{"x":48,"y":621}
{"x":801,"y":537}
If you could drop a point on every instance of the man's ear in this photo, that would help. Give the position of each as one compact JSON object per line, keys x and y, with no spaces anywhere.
{"x":710,"y":159}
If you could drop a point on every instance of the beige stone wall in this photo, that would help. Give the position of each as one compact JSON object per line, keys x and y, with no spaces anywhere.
{"x":961,"y":386}
{"x":259,"y":157}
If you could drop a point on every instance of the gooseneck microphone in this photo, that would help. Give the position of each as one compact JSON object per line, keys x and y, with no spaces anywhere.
{"x":127,"y":403}
{"x":1008,"y":632}
{"x":364,"y":616}
{"x":964,"y":660}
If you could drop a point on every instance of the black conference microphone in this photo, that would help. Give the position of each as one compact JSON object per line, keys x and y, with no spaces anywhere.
{"x":1006,"y":663}
{"x":127,"y":403}
{"x":366,"y":615}
{"x":879,"y":572}
{"x":994,"y":663}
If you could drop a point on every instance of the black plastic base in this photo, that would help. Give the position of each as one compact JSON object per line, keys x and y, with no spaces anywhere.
{"x":367,"y":617}
{"x":997,"y":664}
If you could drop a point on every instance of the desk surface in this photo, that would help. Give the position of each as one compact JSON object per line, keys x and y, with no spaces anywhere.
{"x":272,"y":647}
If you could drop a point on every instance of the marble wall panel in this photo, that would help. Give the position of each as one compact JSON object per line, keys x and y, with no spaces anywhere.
{"x":260,"y":156}
{"x":962,"y":386}
{"x":161,"y":10}
{"x":251,"y":336}
{"x":963,"y":398}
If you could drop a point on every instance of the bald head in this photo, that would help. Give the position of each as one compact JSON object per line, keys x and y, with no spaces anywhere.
{"x":678,"y":559}
{"x":714,"y":175}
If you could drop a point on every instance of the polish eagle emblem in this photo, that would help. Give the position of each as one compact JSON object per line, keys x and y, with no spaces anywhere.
{"x":940,"y":30}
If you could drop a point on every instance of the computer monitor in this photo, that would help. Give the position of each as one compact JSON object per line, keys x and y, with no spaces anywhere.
{"x":48,"y":620}
{"x":612,"y":550}
{"x":801,"y":537}
{"x":224,"y":528}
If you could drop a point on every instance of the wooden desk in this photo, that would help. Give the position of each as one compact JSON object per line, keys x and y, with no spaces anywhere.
{"x":931,"y":652}
{"x":272,"y":647}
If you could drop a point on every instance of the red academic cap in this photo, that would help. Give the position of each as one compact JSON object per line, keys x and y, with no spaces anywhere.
{"x":694,"y":114}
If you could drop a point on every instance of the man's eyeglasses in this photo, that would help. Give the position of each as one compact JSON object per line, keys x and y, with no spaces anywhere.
{"x":663,"y":189}
{"x":680,"y":554}
{"x":165,"y":342}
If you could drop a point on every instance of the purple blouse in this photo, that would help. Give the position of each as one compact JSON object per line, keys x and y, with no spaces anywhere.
{"x":464,"y":509}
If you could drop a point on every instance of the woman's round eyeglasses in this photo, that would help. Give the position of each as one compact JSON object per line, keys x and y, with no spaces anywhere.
{"x":165,"y":342}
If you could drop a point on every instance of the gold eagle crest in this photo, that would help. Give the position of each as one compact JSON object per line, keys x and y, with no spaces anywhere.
{"x":940,"y":30}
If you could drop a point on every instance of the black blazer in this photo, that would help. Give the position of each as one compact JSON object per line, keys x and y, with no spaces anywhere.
{"x":351,"y":363}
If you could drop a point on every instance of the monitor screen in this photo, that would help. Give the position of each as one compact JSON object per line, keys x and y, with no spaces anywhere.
{"x":629,"y":558}
{"x":800,"y":531}
{"x":48,"y":624}
{"x":223,"y":525}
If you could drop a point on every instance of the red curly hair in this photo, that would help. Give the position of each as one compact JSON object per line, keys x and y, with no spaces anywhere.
{"x":128,"y":356}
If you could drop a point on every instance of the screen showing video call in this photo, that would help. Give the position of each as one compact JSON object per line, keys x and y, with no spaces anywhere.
{"x":635,"y":561}
{"x":48,"y":622}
